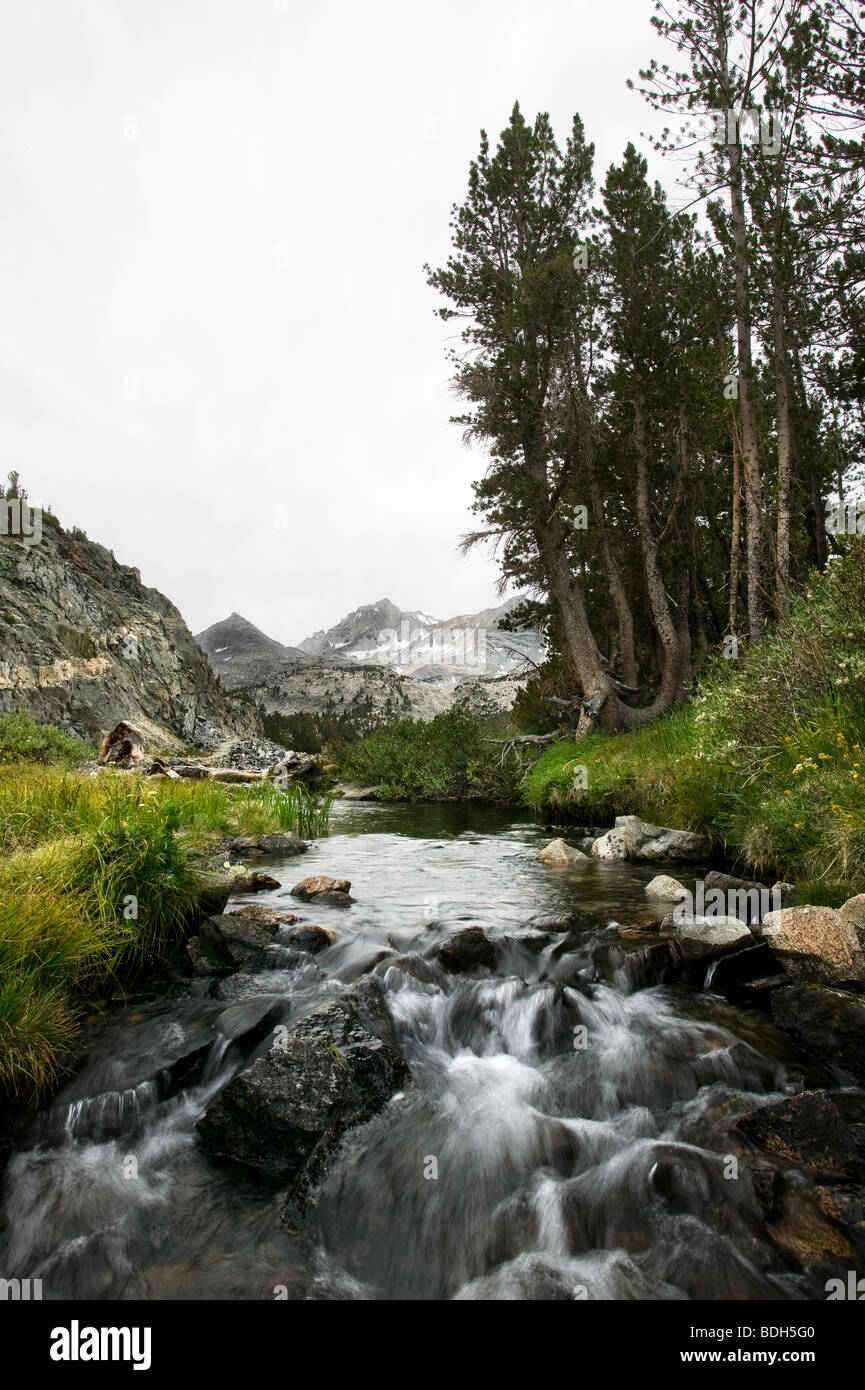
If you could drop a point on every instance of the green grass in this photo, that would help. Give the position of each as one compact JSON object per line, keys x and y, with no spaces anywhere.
{"x":450,"y":756}
{"x":97,"y":881}
{"x":768,"y":759}
{"x":22,"y":741}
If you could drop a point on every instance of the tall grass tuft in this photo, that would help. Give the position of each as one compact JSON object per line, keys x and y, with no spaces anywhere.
{"x":96,"y":880}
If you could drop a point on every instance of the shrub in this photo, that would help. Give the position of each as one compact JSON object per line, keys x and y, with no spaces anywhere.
{"x":451,"y":756}
{"x":22,"y":741}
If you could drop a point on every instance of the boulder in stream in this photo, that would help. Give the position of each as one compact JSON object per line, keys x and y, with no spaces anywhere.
{"x":699,"y":938}
{"x":284,"y":1115}
{"x":816,"y":943}
{"x":466,"y":950}
{"x":634,"y":839}
{"x":321,"y":888}
{"x":665,"y":888}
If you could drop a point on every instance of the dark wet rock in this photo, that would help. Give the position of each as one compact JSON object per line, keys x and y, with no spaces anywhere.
{"x":284,"y":1115}
{"x":249,"y":1021}
{"x":242,"y":844}
{"x":739,"y":968}
{"x":828,"y":1023}
{"x":466,"y":950}
{"x":282,"y":843}
{"x":252,"y":883}
{"x":274,"y":917}
{"x":207,"y":957}
{"x":766,"y":1184}
{"x":806,"y":1130}
{"x":321,"y":888}
{"x":248,"y":943}
{"x":636,"y":965}
{"x":309,"y":937}
{"x":239,"y":987}
{"x":413,"y":965}
{"x":803,"y":1231}
{"x":816,"y":944}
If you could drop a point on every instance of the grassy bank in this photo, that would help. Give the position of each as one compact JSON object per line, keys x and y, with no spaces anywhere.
{"x":768,"y":758}
{"x":98,"y":879}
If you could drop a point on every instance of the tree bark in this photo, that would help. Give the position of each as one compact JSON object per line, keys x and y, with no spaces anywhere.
{"x":755,"y":551}
{"x":782,"y":409}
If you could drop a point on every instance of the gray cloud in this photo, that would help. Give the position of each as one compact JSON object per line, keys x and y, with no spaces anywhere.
{"x":215,"y":219}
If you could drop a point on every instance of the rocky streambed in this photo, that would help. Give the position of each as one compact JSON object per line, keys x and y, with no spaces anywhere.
{"x":440,"y":1068}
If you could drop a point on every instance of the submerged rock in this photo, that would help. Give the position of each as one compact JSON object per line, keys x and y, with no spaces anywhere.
{"x":283,"y":1115}
{"x":240,"y":941}
{"x":557,"y":852}
{"x":666,"y":888}
{"x":465,"y":951}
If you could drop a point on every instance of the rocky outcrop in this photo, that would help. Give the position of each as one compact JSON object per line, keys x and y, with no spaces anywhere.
{"x":557,"y":852}
{"x":816,"y":943}
{"x":633,"y":839}
{"x":284,"y":1115}
{"x":84,"y":644}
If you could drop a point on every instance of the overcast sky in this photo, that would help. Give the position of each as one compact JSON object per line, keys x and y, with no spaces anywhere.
{"x":214,"y":219}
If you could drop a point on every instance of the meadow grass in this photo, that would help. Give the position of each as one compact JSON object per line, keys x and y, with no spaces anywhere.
{"x":98,"y":880}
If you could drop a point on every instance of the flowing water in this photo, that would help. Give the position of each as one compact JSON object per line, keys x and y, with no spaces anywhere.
{"x":566,"y":1136}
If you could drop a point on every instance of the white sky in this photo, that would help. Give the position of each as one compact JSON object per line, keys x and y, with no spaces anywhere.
{"x":213,"y":224}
